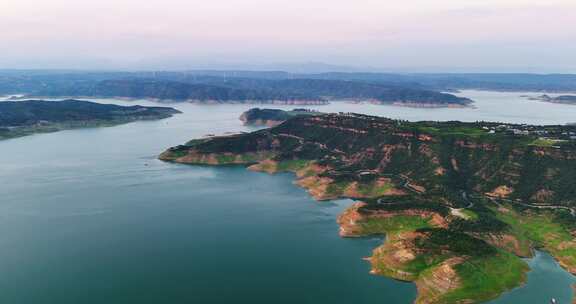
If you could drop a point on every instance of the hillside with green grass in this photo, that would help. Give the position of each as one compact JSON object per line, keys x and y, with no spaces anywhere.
{"x":459,"y":203}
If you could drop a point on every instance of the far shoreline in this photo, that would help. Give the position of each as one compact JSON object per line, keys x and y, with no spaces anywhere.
{"x":407,"y":104}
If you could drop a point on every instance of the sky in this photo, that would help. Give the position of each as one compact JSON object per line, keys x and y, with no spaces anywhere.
{"x":411,"y":35}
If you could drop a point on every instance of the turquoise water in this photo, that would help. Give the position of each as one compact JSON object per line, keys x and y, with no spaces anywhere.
{"x":90,"y":216}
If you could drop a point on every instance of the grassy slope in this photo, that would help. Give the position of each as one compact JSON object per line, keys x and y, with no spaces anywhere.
{"x":464,"y":151}
{"x":486,"y":278}
{"x":482,"y":277}
{"x":395,"y":228}
{"x":546,"y":233}
{"x":393,"y":225}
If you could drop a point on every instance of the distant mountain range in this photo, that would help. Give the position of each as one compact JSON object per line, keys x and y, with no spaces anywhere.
{"x":250,"y":90}
{"x":275,"y":86}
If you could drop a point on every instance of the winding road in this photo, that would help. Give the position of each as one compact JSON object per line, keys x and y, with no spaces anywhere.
{"x":465,"y":197}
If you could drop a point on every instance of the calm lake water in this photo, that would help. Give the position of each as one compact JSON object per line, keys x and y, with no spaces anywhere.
{"x":90,"y":216}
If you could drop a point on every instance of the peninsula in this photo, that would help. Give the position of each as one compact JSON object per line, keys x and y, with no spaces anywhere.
{"x":459,"y":203}
{"x":21,"y":118}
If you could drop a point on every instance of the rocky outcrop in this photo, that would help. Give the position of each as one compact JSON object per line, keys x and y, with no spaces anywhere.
{"x":348,"y":221}
{"x":318,"y":187}
{"x":391,"y":258}
{"x":501,"y":192}
{"x":394,"y":257}
{"x":566,"y":261}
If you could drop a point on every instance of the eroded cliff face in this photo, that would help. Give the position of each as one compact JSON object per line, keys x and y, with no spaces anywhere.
{"x":406,"y":254}
{"x":439,"y":281}
{"x":509,"y":242}
{"x":309,"y":175}
{"x":396,"y":256}
{"x":348,"y":221}
{"x":433,"y":162}
{"x":393,"y":257}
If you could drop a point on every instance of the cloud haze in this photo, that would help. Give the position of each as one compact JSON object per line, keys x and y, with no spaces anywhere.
{"x":504,"y":34}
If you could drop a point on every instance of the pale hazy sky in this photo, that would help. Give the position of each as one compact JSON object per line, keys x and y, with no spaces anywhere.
{"x":515,"y":35}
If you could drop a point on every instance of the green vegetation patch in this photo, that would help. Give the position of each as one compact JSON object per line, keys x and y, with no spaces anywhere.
{"x":307,"y":172}
{"x":337,"y":188}
{"x":423,"y":263}
{"x":454,"y":130}
{"x":292,"y":165}
{"x":544,"y":142}
{"x":396,"y":224}
{"x":470,"y":214}
{"x":542,"y":229}
{"x":437,"y":240}
{"x":373,"y":189}
{"x":267,"y":167}
{"x":407,"y":271}
{"x":177,"y":153}
{"x":430,"y":130}
{"x":485,"y":278}
{"x":251,"y":158}
{"x":484,"y":274}
{"x":225,"y":159}
{"x":195,"y":142}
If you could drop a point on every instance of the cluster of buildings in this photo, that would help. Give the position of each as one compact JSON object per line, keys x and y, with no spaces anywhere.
{"x":544,"y":132}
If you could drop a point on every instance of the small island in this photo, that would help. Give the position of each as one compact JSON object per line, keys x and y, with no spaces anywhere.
{"x":562,"y":99}
{"x":21,"y":118}
{"x":460,"y":203}
{"x":272,"y":117}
